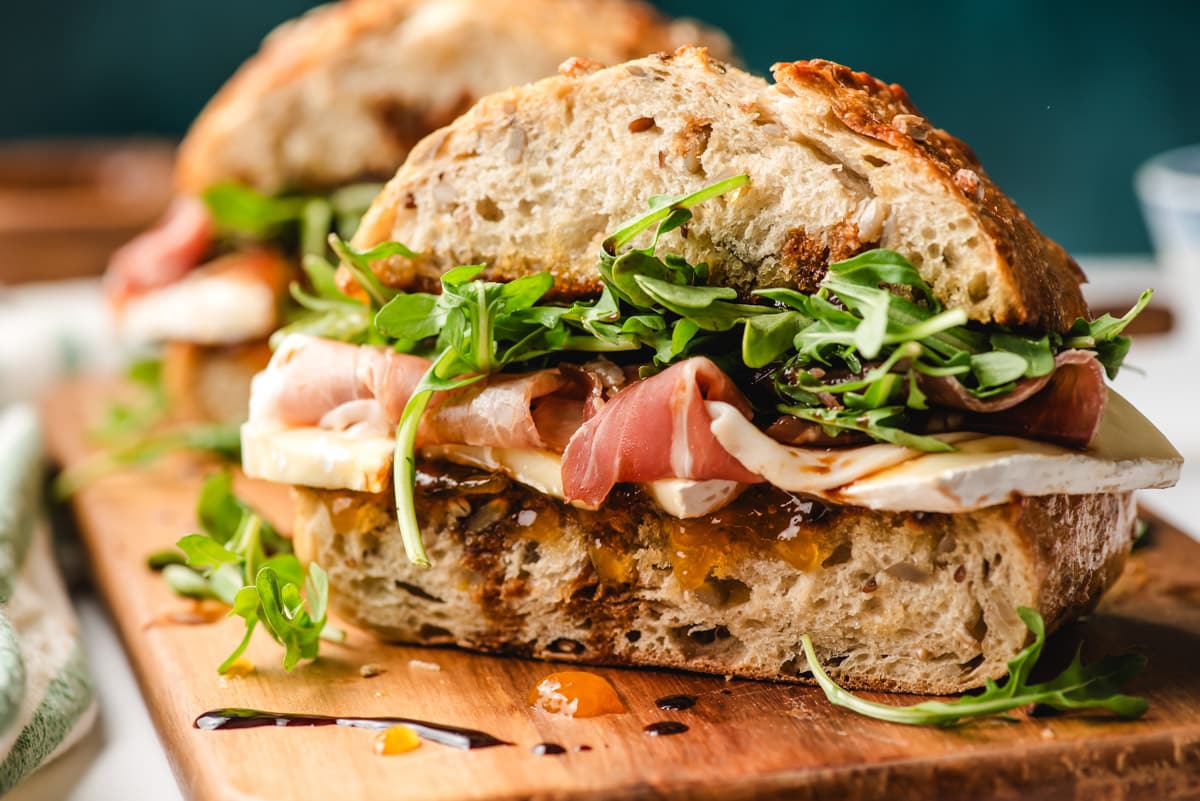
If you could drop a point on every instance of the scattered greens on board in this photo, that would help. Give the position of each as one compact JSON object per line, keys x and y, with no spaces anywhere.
{"x":241,"y":560}
{"x":1077,"y":687}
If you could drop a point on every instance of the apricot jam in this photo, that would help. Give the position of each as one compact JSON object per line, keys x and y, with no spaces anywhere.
{"x":240,"y":667}
{"x":576,"y":694}
{"x":771,"y":523}
{"x":396,"y":740}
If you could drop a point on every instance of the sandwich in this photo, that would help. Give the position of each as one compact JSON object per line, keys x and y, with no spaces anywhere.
{"x":296,"y":145}
{"x":664,"y":364}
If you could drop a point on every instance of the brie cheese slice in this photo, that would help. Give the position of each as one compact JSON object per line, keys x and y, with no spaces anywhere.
{"x":1129,"y":453}
{"x":202,"y":308}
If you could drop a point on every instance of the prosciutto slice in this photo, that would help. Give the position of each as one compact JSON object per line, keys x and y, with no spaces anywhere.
{"x":363,"y":389}
{"x":164,"y":254}
{"x":1065,"y":406}
{"x":309,"y":378}
{"x":535,"y":410}
{"x":655,"y":428}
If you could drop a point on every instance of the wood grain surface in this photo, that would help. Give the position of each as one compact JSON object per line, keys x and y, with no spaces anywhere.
{"x":746,"y":739}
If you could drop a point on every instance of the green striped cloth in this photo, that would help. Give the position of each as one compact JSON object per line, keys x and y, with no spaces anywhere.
{"x":46,"y":700}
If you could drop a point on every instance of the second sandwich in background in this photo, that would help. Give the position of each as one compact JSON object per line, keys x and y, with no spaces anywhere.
{"x":290,"y":150}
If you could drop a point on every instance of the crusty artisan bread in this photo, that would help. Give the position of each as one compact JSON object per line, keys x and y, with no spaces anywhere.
{"x":531,"y":179}
{"x":343,"y":92}
{"x":894,"y":601}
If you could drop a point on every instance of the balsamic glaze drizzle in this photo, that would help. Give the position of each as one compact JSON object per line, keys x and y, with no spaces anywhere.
{"x":453,"y":736}
{"x":676,"y":703}
{"x":548,"y":749}
{"x":665,"y":727}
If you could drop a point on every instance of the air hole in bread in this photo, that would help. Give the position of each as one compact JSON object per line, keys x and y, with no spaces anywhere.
{"x":633,"y":636}
{"x":525,"y":207}
{"x":977,"y":627}
{"x":841,"y":554}
{"x":875,"y":161}
{"x":708,"y":636}
{"x":722,"y":593}
{"x":585,"y":593}
{"x":565,"y":645}
{"x":532,"y":554}
{"x":977,"y":287}
{"x":486,"y":208}
{"x":972,"y":664}
{"x":487,"y":515}
{"x":414,"y":590}
{"x":693,"y":640}
{"x":790,"y":667}
{"x":431,"y":633}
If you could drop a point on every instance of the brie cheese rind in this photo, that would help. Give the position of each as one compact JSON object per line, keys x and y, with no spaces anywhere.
{"x":1129,"y":453}
{"x":203,"y":308}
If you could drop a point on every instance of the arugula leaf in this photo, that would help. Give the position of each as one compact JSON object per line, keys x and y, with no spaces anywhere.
{"x":241,"y":560}
{"x":1104,"y":335}
{"x":242,"y":212}
{"x":1079,"y":686}
{"x":997,"y":368}
{"x":358,"y":262}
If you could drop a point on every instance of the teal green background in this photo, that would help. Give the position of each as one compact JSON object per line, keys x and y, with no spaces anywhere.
{"x":1061,"y":101}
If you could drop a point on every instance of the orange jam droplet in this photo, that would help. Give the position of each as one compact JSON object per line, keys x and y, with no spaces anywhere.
{"x":240,"y":667}
{"x":576,"y":694}
{"x":396,"y":740}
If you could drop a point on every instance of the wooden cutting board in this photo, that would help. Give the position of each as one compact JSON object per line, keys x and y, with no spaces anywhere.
{"x":746,"y":739}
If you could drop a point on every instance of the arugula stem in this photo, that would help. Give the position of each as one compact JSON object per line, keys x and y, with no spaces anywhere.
{"x":404,"y":475}
{"x":241,"y":648}
{"x":592,"y":345}
{"x":633,"y":227}
{"x":907,"y":715}
{"x":484,"y":340}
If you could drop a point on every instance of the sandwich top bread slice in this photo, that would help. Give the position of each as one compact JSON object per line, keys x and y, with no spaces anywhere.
{"x":841,"y":162}
{"x":294,"y":143}
{"x":709,"y":365}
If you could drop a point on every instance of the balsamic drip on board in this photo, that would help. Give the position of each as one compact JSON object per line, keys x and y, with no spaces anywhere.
{"x":548,"y":749}
{"x":453,"y":736}
{"x":675,"y":703}
{"x":665,"y":727}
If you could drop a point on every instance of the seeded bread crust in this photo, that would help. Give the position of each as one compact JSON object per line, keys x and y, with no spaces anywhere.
{"x":342,"y":93}
{"x":898,"y":602}
{"x":533,"y":178}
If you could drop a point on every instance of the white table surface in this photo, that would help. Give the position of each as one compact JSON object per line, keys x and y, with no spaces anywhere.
{"x":123,"y":758}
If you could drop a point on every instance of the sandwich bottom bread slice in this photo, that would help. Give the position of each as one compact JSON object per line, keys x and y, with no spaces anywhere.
{"x":796,"y":369}
{"x":897,"y":600}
